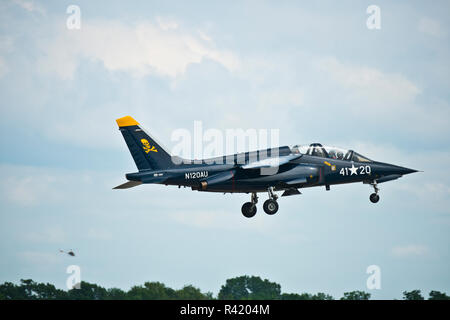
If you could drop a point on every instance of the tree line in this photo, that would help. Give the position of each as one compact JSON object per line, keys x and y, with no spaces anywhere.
{"x":239,"y":288}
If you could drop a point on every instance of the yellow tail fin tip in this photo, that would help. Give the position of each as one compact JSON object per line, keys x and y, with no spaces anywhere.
{"x":126,"y":121}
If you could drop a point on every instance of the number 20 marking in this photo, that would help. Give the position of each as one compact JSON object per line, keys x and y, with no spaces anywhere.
{"x":365,"y":170}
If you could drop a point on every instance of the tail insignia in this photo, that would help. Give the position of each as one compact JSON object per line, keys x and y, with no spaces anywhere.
{"x":146,"y":146}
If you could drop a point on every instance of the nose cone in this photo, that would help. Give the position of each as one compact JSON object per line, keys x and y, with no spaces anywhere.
{"x":403,"y":170}
{"x":385,"y":169}
{"x":392,"y":169}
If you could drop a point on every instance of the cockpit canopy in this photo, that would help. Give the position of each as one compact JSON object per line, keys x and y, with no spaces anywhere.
{"x":317,"y":150}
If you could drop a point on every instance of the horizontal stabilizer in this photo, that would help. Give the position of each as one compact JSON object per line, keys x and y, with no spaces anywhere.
{"x":129,"y":184}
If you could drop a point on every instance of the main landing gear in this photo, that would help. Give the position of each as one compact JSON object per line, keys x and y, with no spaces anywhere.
{"x":270,"y":206}
{"x":249,"y":208}
{"x":374,"y":197}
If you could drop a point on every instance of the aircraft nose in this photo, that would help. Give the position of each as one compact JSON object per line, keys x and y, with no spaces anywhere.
{"x":403,"y":170}
{"x":385,"y":169}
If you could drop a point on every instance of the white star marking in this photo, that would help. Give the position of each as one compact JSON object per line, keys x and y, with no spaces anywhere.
{"x":353,"y":170}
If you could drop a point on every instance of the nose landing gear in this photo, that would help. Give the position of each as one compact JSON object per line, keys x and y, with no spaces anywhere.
{"x":374,"y":197}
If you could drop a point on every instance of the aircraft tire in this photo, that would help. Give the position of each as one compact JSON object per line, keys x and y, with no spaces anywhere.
{"x":374,"y":198}
{"x":270,"y":206}
{"x":248,"y":209}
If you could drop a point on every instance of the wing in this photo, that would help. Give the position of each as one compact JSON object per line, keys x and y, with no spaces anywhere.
{"x":271,"y":162}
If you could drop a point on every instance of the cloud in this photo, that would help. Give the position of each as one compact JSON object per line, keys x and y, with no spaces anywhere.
{"x":6,"y":46}
{"x":381,"y":99}
{"x":145,"y":48}
{"x":3,"y":67}
{"x":430,"y":27}
{"x":46,"y":235}
{"x":20,"y":191}
{"x":410,"y":250}
{"x":433,"y":195}
{"x":99,"y":234}
{"x":166,"y":24}
{"x":6,"y":43}
{"x":370,"y":84}
{"x":290,"y":97}
{"x":27,"y":186}
{"x":29,"y":6}
{"x":28,"y":190}
{"x":38,"y":258}
{"x":220,"y":220}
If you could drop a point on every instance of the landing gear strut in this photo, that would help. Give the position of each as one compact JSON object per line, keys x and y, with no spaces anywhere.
{"x":374,"y":197}
{"x":249,"y":208}
{"x":271,"y":205}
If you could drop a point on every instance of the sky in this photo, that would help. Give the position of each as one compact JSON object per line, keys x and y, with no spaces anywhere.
{"x":311,"y":69}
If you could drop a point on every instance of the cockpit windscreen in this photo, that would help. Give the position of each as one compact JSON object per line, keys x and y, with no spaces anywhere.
{"x":317,"y":150}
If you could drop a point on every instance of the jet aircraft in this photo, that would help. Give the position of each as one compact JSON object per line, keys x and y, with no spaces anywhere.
{"x":286,"y":169}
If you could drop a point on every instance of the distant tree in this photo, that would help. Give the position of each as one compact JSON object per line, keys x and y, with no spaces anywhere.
{"x":323,"y":296}
{"x":295,"y":296}
{"x":209,"y":296}
{"x":356,"y":295}
{"x":412,"y":295}
{"x":189,"y":292}
{"x":249,"y":288}
{"x":436,"y":295}
{"x":47,"y":292}
{"x":235,"y":288}
{"x":151,"y":291}
{"x":88,"y":291}
{"x":263,"y":289}
{"x":116,"y":294}
{"x":306,"y":296}
{"x":30,"y":290}
{"x":239,"y":288}
{"x":10,"y":291}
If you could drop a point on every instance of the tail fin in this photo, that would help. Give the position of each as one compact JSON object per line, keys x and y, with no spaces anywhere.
{"x":146,"y":152}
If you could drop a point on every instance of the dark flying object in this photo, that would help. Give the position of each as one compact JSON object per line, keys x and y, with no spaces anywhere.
{"x":276,"y":169}
{"x":70,"y":252}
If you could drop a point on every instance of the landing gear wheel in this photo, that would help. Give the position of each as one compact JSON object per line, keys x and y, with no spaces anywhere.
{"x":374,"y":198}
{"x":270,"y":206}
{"x":248,"y":209}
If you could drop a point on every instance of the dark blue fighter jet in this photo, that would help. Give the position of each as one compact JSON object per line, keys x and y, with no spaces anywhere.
{"x":284,"y":169}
